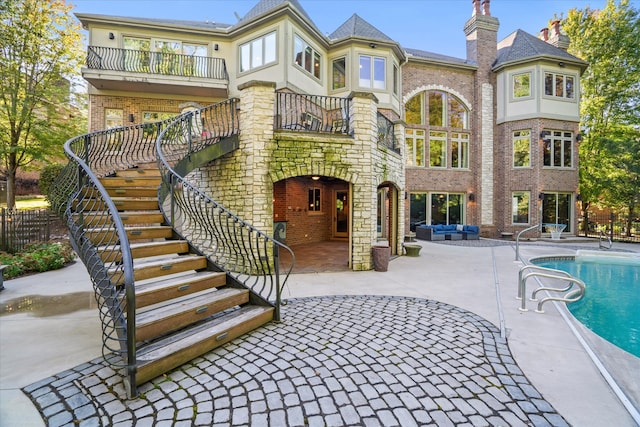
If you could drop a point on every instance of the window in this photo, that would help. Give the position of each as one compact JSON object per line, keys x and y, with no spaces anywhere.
{"x":314,"y":200}
{"x":520,"y":207}
{"x":438,"y":110}
{"x":557,"y":209}
{"x":136,"y":54}
{"x":447,"y":208}
{"x":396,"y":79}
{"x":417,"y":207}
{"x":521,"y":148}
{"x":559,"y":85}
{"x":113,"y":118}
{"x":372,"y":72}
{"x":460,"y":150}
{"x":438,"y":149}
{"x":156,"y":116}
{"x":258,"y":52}
{"x":339,"y":73}
{"x":414,"y":140}
{"x":413,"y":110}
{"x":306,"y":57}
{"x":521,"y":85}
{"x":558,"y":149}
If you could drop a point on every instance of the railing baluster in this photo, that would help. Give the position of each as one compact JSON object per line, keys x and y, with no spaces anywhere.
{"x":166,"y":63}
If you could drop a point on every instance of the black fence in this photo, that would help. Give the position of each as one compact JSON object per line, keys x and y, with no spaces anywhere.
{"x":618,"y":227}
{"x":22,"y":228}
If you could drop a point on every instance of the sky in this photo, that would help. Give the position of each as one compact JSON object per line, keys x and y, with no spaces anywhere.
{"x":431,"y":25}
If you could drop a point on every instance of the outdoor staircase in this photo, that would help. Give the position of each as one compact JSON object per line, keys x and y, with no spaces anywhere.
{"x":184,"y":307}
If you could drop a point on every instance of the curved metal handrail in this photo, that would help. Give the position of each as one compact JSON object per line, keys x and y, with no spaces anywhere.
{"x":537,"y":267}
{"x":76,"y":193}
{"x":520,"y":234}
{"x":235,"y":246}
{"x":570,"y":296}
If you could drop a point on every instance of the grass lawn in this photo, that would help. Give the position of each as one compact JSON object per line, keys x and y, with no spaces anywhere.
{"x":30,"y":202}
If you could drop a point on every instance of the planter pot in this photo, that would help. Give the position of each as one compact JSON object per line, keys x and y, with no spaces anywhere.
{"x":381,"y":255}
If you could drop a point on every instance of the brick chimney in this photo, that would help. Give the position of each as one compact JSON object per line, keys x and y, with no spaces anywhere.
{"x":558,"y":39}
{"x":481,"y":31}
{"x":544,"y":34}
{"x":482,"y":34}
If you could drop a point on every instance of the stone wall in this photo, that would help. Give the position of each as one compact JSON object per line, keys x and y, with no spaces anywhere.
{"x":244,"y":180}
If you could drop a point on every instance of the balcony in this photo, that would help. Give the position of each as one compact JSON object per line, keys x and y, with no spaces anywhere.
{"x":312,"y":113}
{"x":157,"y":72}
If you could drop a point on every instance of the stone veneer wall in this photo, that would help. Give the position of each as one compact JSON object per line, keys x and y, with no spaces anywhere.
{"x":243,"y":180}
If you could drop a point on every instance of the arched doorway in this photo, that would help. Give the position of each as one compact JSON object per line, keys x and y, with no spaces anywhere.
{"x":313,"y":214}
{"x":387,"y":215}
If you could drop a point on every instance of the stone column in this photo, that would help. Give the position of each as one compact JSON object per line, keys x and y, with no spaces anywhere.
{"x":364,"y":190}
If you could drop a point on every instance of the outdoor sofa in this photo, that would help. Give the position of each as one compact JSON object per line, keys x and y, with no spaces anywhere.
{"x":448,"y":232}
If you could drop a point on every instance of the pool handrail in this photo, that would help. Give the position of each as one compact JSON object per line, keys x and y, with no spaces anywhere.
{"x":537,"y":267}
{"x":550,"y":273}
{"x":539,"y":226}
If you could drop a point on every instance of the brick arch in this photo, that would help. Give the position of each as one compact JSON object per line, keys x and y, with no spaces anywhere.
{"x":441,"y":88}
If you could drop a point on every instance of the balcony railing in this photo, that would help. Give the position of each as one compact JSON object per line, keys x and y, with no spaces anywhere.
{"x":386,"y":134}
{"x":312,"y":113}
{"x":143,"y":61}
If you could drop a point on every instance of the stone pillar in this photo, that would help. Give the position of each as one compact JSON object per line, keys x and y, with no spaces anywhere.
{"x":364,"y":188}
{"x":254,"y":189}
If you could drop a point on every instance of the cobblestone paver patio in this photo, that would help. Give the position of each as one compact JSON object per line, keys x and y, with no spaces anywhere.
{"x":334,"y":361}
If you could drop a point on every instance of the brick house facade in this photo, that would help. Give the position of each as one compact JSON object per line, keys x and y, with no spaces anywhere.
{"x":459,"y":126}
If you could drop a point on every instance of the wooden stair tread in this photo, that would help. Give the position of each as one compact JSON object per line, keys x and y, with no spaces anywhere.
{"x":154,"y":291}
{"x":173,"y":342}
{"x":217,"y":277}
{"x":145,"y":249}
{"x":168,"y":316}
{"x":166,"y":259}
{"x":209,"y":297}
{"x":167,"y":353}
{"x":137,"y":172}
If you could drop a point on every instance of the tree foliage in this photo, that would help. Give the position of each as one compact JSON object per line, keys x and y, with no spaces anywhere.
{"x":609,"y":39}
{"x":40,"y":53}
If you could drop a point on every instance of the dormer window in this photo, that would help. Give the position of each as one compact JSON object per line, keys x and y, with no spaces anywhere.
{"x":372,"y":72}
{"x":306,"y":57}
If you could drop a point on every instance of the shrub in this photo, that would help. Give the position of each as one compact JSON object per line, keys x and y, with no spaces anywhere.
{"x":37,"y":258}
{"x":47,"y":177}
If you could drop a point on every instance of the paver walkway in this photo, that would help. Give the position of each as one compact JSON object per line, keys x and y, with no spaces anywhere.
{"x":334,"y":361}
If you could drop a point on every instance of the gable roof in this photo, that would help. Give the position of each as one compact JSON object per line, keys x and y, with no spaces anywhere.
{"x":521,"y":46}
{"x":358,"y":27}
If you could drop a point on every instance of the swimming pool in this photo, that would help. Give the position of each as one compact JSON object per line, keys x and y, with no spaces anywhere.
{"x":611,"y":305}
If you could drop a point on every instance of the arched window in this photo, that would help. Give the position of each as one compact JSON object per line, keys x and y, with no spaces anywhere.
{"x":443,"y":120}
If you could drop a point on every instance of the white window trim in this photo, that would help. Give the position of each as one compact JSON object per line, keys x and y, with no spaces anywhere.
{"x":512,"y":86}
{"x":264,"y":64}
{"x":555,"y":97}
{"x":514,"y":209}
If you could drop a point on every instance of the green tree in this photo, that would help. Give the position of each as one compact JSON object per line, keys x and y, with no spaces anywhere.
{"x":609,"y":39}
{"x":40,"y":53}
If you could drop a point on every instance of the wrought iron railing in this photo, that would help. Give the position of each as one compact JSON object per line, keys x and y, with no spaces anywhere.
{"x":386,"y":133}
{"x":312,"y":113}
{"x":95,"y":228}
{"x":166,"y":63}
{"x":246,"y":254}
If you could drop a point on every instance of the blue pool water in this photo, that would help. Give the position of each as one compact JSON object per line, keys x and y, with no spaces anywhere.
{"x":611,"y":305}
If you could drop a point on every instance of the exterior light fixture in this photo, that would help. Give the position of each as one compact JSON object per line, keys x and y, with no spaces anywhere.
{"x":315,"y":177}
